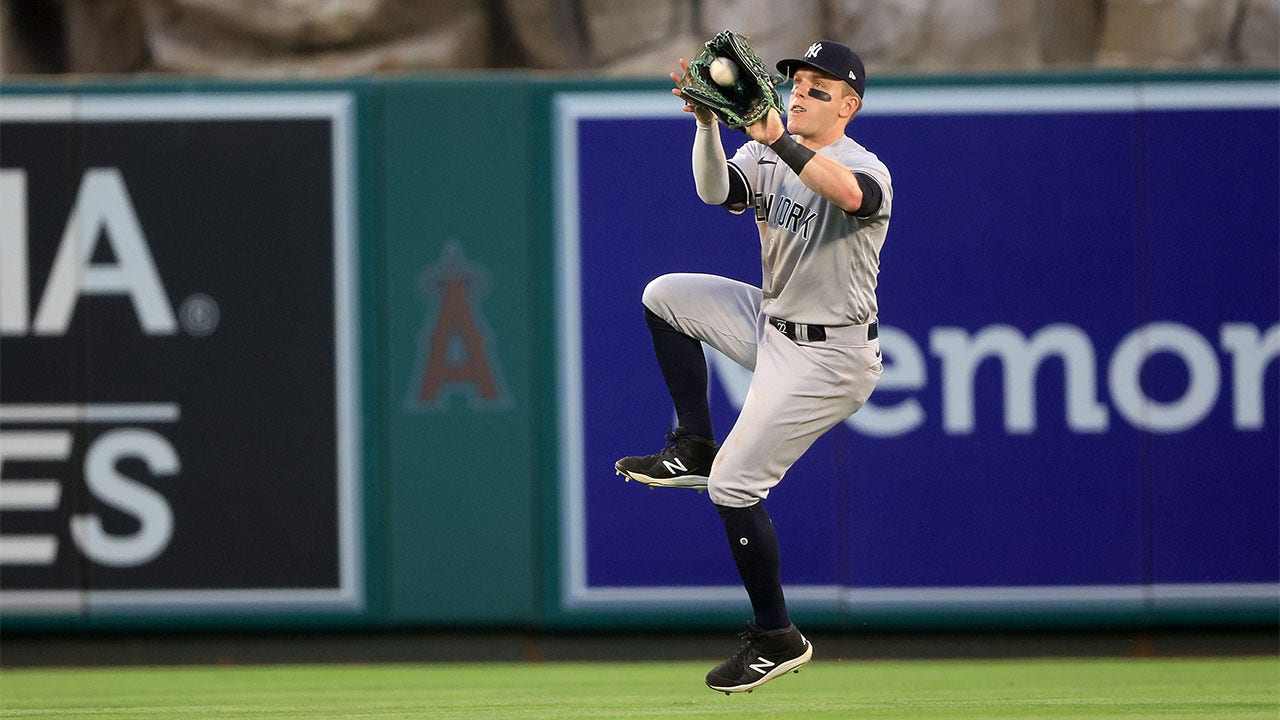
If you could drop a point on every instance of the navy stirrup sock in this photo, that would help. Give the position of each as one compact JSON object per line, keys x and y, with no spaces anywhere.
{"x":684,"y":367}
{"x":755,"y":551}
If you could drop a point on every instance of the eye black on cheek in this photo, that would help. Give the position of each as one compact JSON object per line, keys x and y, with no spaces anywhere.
{"x":817,"y":94}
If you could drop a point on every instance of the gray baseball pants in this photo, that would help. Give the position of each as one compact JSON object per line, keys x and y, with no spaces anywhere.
{"x":799,"y":390}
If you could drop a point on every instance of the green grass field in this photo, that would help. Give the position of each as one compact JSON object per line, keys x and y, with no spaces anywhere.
{"x":932,"y":690}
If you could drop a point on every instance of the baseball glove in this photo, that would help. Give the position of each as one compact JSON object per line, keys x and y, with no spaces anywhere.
{"x":750,"y":96}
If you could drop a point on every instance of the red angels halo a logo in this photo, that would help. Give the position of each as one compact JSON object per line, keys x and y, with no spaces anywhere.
{"x":456,"y":353}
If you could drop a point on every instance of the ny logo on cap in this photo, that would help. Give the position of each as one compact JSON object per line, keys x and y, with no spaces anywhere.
{"x":813,"y":50}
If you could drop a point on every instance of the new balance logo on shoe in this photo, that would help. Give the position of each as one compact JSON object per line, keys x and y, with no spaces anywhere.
{"x":685,"y":463}
{"x":674,"y":466}
{"x":766,"y":655}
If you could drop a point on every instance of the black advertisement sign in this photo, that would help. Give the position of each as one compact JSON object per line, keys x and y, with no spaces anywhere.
{"x":178,"y":373}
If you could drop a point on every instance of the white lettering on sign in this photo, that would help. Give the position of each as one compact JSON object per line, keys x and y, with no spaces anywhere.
{"x":102,"y":212}
{"x":1249,"y":352}
{"x":52,"y":448}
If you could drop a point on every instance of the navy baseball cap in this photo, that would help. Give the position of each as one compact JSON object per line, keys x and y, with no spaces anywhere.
{"x":833,"y":58}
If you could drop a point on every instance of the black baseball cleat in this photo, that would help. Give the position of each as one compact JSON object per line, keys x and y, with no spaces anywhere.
{"x":685,"y":463}
{"x":764,"y":656}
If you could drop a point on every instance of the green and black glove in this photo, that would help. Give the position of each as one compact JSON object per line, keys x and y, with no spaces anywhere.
{"x":748,"y":98}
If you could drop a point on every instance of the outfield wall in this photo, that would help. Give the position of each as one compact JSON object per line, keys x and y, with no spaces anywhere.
{"x":362,"y":354}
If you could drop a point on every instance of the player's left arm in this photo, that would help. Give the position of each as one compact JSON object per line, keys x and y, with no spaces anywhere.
{"x":825,"y":176}
{"x":855,"y":193}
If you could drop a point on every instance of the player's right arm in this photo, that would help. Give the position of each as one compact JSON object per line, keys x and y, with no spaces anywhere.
{"x":718,"y":180}
{"x":710,"y":165}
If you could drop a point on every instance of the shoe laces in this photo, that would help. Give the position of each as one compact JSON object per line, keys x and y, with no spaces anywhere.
{"x":674,"y":441}
{"x":749,"y":641}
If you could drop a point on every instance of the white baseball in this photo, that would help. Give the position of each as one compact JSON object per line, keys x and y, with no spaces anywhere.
{"x":724,"y":71}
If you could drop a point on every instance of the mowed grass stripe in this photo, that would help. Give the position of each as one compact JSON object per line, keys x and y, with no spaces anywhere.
{"x":1235,"y":688}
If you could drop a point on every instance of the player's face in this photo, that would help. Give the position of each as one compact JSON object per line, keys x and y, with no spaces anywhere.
{"x":817,"y":101}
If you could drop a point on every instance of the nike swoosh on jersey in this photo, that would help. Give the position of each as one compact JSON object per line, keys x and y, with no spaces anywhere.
{"x":763,"y":161}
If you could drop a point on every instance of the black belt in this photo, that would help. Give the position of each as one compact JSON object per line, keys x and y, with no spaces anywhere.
{"x":813,"y":333}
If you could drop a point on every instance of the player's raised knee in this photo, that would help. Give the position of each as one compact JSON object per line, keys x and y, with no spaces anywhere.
{"x":659,"y":293}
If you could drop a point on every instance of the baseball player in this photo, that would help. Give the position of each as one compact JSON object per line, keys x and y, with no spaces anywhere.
{"x":821,"y":202}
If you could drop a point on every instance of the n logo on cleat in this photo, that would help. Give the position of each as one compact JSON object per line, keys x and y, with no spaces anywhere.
{"x":673,"y":465}
{"x":763,"y":666}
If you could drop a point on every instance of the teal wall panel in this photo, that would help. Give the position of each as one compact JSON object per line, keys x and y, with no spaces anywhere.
{"x":460,"y":469}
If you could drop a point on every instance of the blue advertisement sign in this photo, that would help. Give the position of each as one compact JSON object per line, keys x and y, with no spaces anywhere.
{"x":1080,"y":319}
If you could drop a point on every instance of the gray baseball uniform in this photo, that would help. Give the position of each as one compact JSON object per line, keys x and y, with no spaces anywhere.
{"x":819,"y":267}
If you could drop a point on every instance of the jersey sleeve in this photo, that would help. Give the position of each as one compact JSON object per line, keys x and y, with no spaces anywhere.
{"x":869,"y":166}
{"x":741,"y":178}
{"x":872,"y":196}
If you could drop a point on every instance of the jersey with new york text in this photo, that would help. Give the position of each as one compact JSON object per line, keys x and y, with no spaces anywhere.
{"x":819,"y":264}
